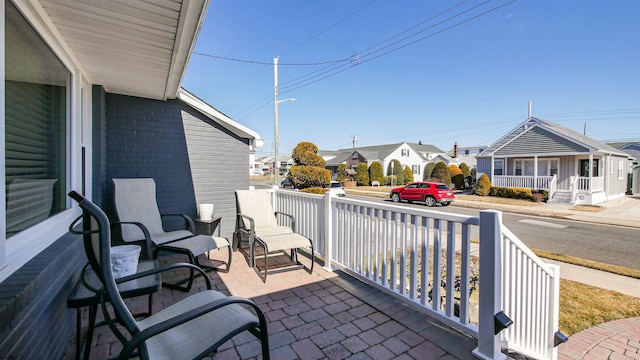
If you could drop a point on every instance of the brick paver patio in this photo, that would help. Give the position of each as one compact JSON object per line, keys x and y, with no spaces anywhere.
{"x":325,"y":315}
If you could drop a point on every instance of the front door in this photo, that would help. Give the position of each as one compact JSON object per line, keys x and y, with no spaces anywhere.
{"x":584,"y":168}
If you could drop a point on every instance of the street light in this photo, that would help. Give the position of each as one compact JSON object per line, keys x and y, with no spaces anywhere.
{"x":275,"y":119}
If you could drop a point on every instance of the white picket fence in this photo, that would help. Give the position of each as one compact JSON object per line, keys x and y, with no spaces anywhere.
{"x":405,"y":251}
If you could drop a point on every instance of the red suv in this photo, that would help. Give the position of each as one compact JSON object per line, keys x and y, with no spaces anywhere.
{"x":431,"y":193}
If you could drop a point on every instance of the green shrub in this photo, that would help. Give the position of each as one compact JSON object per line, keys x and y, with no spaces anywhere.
{"x":388,"y":179}
{"x":341,"y":169}
{"x":308,"y":170}
{"x":397,"y":172}
{"x":428,"y":170}
{"x":407,"y":174}
{"x":376,"y":173}
{"x":484,"y":186}
{"x":362,"y":174}
{"x":303,"y":177}
{"x":456,"y":176}
{"x":315,"y":190}
{"x":306,"y":153}
{"x":441,"y":173}
{"x":467,"y":180}
{"x":511,"y":193}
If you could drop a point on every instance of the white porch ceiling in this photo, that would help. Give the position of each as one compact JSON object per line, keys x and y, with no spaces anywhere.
{"x":131,"y":47}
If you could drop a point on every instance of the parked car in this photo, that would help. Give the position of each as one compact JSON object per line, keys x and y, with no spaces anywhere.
{"x":286,"y":183}
{"x":336,"y":188}
{"x":431,"y":193}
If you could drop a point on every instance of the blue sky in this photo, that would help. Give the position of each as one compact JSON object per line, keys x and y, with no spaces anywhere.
{"x":437,"y":71}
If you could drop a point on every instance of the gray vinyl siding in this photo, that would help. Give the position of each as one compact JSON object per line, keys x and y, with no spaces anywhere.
{"x":483,"y":166}
{"x":539,"y":141}
{"x":567,"y":168}
{"x":191,"y":158}
{"x":616,"y":185}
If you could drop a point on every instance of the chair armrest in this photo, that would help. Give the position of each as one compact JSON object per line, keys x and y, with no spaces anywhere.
{"x":166,"y":268}
{"x":187,"y":218}
{"x":139,"y":338}
{"x":147,"y":235}
{"x":291,"y":218}
{"x":252,"y":224}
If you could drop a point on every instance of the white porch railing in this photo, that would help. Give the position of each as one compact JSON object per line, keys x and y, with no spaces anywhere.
{"x":582,"y":184}
{"x":549,"y":183}
{"x":405,"y":251}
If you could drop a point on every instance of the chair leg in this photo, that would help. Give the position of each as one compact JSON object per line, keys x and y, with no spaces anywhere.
{"x":176,"y":286}
{"x":93,"y":309}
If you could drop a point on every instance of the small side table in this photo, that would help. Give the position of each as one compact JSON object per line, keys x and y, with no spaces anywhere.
{"x":207,"y":227}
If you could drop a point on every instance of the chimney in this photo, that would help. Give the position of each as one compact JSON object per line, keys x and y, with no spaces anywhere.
{"x":455,"y":150}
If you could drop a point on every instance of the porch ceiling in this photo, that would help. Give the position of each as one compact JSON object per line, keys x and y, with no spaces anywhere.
{"x":131,"y":47}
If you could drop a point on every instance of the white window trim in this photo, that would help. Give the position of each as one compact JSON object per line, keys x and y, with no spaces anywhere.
{"x":3,"y":225}
{"x":23,"y":246}
{"x":496,"y":161}
{"x":620,"y":169}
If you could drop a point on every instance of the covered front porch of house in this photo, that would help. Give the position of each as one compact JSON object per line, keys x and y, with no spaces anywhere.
{"x":374,"y":296}
{"x":574,"y":179}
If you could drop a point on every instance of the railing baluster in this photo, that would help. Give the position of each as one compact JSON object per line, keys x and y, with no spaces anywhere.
{"x":437,"y":265}
{"x":388,"y":245}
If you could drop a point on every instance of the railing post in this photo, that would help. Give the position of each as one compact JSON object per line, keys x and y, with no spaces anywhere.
{"x":328,"y":232}
{"x":490,"y":292}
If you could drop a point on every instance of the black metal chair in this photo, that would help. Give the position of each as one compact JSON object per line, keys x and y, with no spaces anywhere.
{"x":140,"y":222}
{"x":189,"y":329}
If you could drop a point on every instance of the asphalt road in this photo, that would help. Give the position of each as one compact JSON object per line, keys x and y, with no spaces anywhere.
{"x":615,"y":245}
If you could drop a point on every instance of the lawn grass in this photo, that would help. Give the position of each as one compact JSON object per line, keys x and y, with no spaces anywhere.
{"x":583,"y":306}
{"x":619,"y":270}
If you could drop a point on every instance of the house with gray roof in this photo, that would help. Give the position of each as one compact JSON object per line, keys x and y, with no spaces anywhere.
{"x":414,"y":155}
{"x":632,"y":148}
{"x":539,"y":154}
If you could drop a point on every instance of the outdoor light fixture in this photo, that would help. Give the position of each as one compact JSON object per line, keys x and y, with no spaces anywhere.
{"x":501,"y":322}
{"x":559,"y":338}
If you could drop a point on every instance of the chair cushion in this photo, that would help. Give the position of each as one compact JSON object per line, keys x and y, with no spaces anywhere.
{"x":135,"y":201}
{"x":257,"y":205}
{"x":190,"y":339}
{"x":285,"y":241}
{"x":199,"y":244}
{"x":164,"y":237}
{"x":273,"y":230}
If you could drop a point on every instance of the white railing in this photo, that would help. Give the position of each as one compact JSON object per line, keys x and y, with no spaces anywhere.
{"x":531,"y":297}
{"x":528,"y":182}
{"x":582,"y":184}
{"x":404,"y":251}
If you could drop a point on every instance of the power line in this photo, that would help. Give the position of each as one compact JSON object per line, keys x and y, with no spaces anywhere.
{"x":271,"y":63}
{"x":330,"y":27}
{"x":363,"y":58}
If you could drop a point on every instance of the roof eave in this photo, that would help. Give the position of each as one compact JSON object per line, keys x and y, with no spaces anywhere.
{"x":220,"y":118}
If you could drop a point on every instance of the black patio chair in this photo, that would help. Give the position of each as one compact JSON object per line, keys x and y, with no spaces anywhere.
{"x":140,"y":222}
{"x":189,"y":329}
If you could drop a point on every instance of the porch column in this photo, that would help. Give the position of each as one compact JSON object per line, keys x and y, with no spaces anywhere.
{"x":490,"y":293}
{"x":492,"y":170}
{"x":535,"y":172}
{"x":590,"y":172}
{"x":328,"y":232}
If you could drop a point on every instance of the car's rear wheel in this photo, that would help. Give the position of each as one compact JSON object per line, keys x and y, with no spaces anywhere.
{"x":430,"y":201}
{"x":395,"y":197}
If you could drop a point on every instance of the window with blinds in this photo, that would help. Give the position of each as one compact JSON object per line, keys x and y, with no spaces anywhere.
{"x":36,"y":87}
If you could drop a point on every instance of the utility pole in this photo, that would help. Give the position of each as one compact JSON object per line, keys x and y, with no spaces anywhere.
{"x":275,"y":120}
{"x":353,"y":140}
